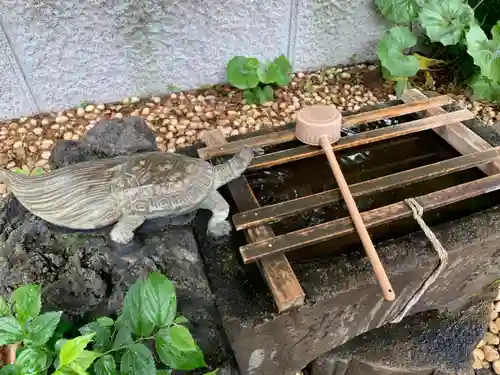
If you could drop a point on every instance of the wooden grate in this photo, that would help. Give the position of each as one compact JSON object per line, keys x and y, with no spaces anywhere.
{"x":269,"y":250}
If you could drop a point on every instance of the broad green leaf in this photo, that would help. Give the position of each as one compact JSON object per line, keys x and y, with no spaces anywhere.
{"x":73,"y":348}
{"x":123,"y":337}
{"x":105,"y":365}
{"x":214,"y":372}
{"x":242,"y":72}
{"x":446,"y":21}
{"x":32,"y":361}
{"x":399,"y":11}
{"x":485,"y":89}
{"x":181,"y":320}
{"x":160,"y":299}
{"x":278,"y":71}
{"x":177,"y":349}
{"x":163,"y":372}
{"x":85,"y":359}
{"x":105,"y":321}
{"x":486,"y":53}
{"x":27,"y":302}
{"x":137,"y":360}
{"x":41,"y":329}
{"x":150,"y":303}
{"x":390,"y":52}
{"x":4,"y":307}
{"x":8,"y":370}
{"x":11,"y":331}
{"x":102,"y":338}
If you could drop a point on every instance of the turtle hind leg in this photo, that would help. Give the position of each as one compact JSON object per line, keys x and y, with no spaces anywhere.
{"x":123,"y":231}
{"x":218,"y":225}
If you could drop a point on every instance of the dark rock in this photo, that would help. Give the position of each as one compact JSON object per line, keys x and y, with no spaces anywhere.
{"x":86,"y":275}
{"x":342,"y":297}
{"x":427,"y":343}
{"x":107,"y":138}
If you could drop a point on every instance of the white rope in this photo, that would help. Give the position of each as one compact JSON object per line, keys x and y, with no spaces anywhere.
{"x":443,"y":258}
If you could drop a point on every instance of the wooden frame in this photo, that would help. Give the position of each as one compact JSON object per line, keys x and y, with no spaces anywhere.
{"x":269,"y":250}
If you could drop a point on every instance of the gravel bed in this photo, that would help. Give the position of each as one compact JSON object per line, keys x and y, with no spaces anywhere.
{"x":179,"y":120}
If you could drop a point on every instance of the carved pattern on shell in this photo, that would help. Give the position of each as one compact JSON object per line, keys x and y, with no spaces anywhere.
{"x":163,"y":182}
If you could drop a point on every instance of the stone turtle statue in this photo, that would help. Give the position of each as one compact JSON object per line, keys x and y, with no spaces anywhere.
{"x":127,"y":190}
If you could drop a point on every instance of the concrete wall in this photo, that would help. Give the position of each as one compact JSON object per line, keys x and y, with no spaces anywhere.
{"x":56,"y":53}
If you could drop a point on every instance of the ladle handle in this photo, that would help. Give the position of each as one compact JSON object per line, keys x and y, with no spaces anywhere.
{"x":378,"y":268}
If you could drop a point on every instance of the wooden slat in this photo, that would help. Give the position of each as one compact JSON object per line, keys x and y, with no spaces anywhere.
{"x":348,"y":121}
{"x":276,"y":269}
{"x":326,"y":231}
{"x":458,"y":135}
{"x":268,"y":214}
{"x":303,"y":152}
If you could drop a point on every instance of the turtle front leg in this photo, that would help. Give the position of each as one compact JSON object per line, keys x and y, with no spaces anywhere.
{"x":218,"y":225}
{"x":123,"y":231}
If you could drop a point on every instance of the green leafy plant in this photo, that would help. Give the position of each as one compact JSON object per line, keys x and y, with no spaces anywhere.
{"x":255,"y":78}
{"x":447,"y":23}
{"x":105,"y":346}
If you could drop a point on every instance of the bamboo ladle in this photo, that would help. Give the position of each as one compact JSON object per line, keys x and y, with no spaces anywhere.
{"x":320,"y":125}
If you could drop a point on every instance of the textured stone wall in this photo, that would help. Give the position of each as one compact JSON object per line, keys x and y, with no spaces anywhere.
{"x":55,"y":54}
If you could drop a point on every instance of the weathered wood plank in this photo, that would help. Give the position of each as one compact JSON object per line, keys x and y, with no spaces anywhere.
{"x":457,"y":134}
{"x":267,"y":214}
{"x":333,"y":229}
{"x":348,"y":121}
{"x":303,"y":152}
{"x":276,"y":269}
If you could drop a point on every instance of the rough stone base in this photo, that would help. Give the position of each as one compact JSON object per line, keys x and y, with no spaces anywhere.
{"x":427,"y":343}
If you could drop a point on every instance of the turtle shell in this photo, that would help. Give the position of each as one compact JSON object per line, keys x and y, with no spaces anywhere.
{"x":166,"y":183}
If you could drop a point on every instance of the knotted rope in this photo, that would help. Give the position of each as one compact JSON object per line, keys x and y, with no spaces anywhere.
{"x":443,"y":259}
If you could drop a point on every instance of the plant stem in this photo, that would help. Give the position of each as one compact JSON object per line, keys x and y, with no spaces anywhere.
{"x":129,"y":345}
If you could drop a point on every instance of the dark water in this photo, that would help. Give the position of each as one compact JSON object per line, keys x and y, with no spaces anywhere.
{"x":310,"y":176}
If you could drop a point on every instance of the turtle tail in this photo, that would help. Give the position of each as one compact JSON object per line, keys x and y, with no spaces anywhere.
{"x":233,"y":168}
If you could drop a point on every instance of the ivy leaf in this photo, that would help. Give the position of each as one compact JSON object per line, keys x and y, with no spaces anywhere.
{"x":32,"y":361}
{"x":250,"y":97}
{"x":177,"y":349}
{"x":73,"y":348}
{"x":399,"y":11}
{"x":102,"y":338}
{"x":105,"y":365}
{"x":11,"y":331}
{"x":402,"y":84}
{"x":278,"y":71}
{"x":390,"y":52}
{"x":41,"y":329}
{"x":486,"y":53}
{"x":484,"y":88}
{"x":137,"y":360}
{"x":27,"y":302}
{"x":242,"y":72}
{"x":446,"y":21}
